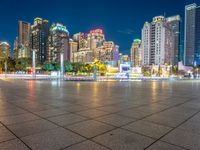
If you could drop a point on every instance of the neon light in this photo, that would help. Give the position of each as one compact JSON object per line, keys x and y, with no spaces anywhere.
{"x":96,"y":31}
{"x":60,"y":28}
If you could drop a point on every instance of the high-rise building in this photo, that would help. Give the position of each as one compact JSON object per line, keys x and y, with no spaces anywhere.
{"x":81,"y":39}
{"x":15,"y":49}
{"x":157,"y":42}
{"x":104,"y":53}
{"x":58,"y":43}
{"x":4,"y":50}
{"x":73,"y":49}
{"x":136,"y":53}
{"x":146,"y":43}
{"x":24,"y":29}
{"x":95,"y":38}
{"x":125,"y":58}
{"x":174,"y":23}
{"x":93,"y":46}
{"x":39,"y":39}
{"x":192,"y":35}
{"x":115,"y":54}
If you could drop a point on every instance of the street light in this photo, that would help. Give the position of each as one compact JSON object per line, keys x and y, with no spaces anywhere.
{"x":95,"y":72}
{"x":33,"y":64}
{"x":6,"y":68}
{"x":62,"y":57}
{"x":61,"y":65}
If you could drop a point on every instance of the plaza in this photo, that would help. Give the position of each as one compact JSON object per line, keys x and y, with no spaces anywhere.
{"x":61,"y":115}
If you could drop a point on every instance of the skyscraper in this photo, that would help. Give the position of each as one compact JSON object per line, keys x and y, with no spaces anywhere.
{"x":157,"y":42}
{"x":39,"y":39}
{"x":58,"y":43}
{"x":81,"y":39}
{"x":23,"y":39}
{"x":15,"y":49}
{"x":146,"y":43}
{"x":192,"y":35}
{"x":136,"y":53}
{"x":4,"y":50}
{"x":115,"y":54}
{"x":174,"y":23}
{"x":91,"y":46}
{"x":95,"y":38}
{"x":73,"y":49}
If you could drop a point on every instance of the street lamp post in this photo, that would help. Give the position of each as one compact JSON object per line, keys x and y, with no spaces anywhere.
{"x":33,"y":64}
{"x":6,"y":68}
{"x":95,"y":72}
{"x":61,"y":65}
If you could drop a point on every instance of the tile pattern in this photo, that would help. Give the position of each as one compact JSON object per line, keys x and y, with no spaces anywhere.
{"x":53,"y":115}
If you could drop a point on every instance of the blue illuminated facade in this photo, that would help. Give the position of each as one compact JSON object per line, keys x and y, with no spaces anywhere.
{"x":192,"y":35}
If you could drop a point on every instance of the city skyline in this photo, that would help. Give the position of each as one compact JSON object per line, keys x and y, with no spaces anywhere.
{"x":121,"y":32}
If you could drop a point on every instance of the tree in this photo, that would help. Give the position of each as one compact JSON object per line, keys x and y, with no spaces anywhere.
{"x":68,"y":66}
{"x":23,"y":63}
{"x":146,"y":71}
{"x":101,"y":67}
{"x":89,"y":68}
{"x":48,"y":66}
{"x":160,"y":72}
{"x":2,"y":64}
{"x":9,"y":62}
{"x":76,"y":67}
{"x":174,"y":69}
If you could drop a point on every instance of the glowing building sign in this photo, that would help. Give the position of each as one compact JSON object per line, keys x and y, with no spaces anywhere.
{"x":96,"y":31}
{"x":60,"y":28}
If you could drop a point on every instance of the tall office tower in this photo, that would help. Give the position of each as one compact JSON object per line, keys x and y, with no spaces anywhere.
{"x":104,"y":52}
{"x":95,"y":38}
{"x":73,"y":49}
{"x":174,"y":23}
{"x":192,"y":35}
{"x":4,"y":50}
{"x":146,"y":43}
{"x":24,"y":39}
{"x":58,"y":43}
{"x":15,"y":49}
{"x":81,"y":39}
{"x":115,"y":54}
{"x":157,"y":42}
{"x":39,"y":39}
{"x":136,"y":53}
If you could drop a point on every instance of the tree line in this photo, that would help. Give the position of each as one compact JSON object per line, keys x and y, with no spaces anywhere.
{"x":25,"y":64}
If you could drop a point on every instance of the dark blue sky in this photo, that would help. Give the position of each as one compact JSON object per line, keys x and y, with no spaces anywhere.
{"x":121,"y":20}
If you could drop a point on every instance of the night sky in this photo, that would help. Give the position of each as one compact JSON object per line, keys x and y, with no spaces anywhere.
{"x":121,"y":20}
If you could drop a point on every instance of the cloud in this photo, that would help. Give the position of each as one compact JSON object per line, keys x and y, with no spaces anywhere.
{"x":126,"y":31}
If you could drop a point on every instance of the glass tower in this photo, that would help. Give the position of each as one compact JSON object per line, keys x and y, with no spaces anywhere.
{"x":192,"y":35}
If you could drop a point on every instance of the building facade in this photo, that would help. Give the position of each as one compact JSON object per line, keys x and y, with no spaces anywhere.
{"x":58,"y":43}
{"x":24,"y":29}
{"x":15,"y":49}
{"x":174,"y":23}
{"x":39,"y":39}
{"x":192,"y":35}
{"x":115,"y":54}
{"x":157,"y":42}
{"x":4,"y":50}
{"x":73,"y":46}
{"x":93,"y":46}
{"x":136,"y":53}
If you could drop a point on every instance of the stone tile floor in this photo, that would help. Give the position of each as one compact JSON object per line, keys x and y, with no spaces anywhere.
{"x":53,"y":115}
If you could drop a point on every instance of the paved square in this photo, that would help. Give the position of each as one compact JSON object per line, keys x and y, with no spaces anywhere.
{"x":54,"y":115}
